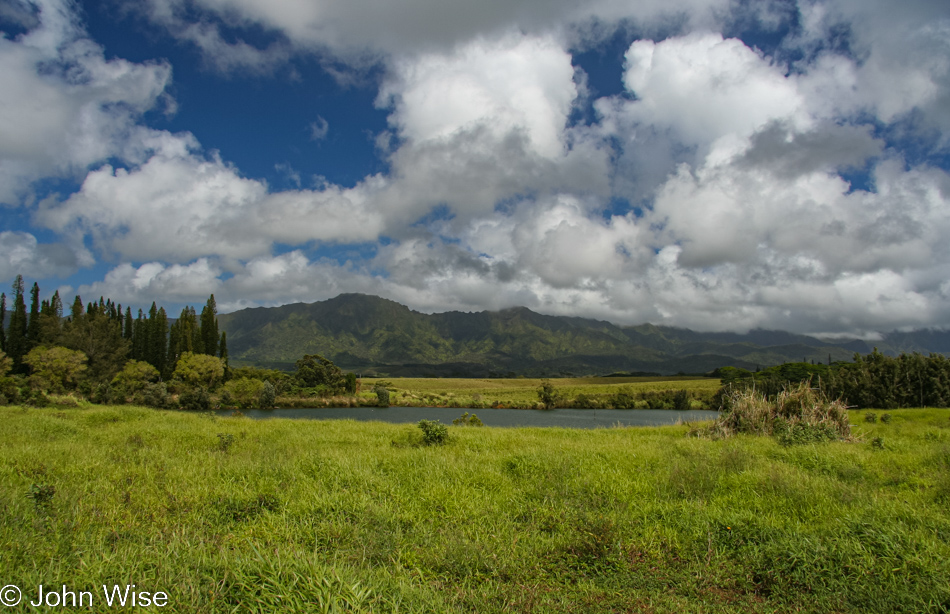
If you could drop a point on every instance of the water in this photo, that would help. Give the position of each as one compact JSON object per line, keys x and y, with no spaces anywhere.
{"x":566,"y":418}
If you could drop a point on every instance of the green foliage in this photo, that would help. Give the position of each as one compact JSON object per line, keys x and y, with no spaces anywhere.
{"x":245,"y":392}
{"x":623,"y":399}
{"x":225,"y":441}
{"x":434,"y":433}
{"x":467,"y":420}
{"x":795,"y":414}
{"x":55,"y":370}
{"x":201,"y":370}
{"x":134,"y":377}
{"x":681,"y":400}
{"x":155,"y":395}
{"x":42,"y":496}
{"x":382,"y":394}
{"x":195,"y":398}
{"x":315,"y":371}
{"x":16,"y":340}
{"x":267,"y":397}
{"x":870,"y":417}
{"x":548,"y":395}
{"x":99,"y":337}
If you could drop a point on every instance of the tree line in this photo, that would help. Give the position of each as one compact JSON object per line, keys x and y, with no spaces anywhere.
{"x":105,"y":354}
{"x":872,"y":380}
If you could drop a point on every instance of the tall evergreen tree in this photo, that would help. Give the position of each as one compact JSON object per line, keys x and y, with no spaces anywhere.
{"x":33,"y":327}
{"x":209,"y":327}
{"x":51,"y":321}
{"x":223,"y":355}
{"x":16,"y":333}
{"x":129,"y":324}
{"x":76,"y":312}
{"x":158,"y":337}
{"x":140,"y":337}
{"x":3,"y":322}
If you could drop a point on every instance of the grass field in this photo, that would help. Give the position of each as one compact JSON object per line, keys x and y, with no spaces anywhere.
{"x":235,"y":515}
{"x":522,"y":392}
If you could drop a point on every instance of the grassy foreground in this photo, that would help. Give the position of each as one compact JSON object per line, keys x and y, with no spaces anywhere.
{"x":235,"y":515}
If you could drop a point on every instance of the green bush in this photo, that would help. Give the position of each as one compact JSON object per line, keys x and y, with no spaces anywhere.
{"x":195,"y":399}
{"x":268,"y":396}
{"x":870,"y":417}
{"x":681,"y":400}
{"x":467,"y":420}
{"x":434,"y":433}
{"x":382,"y":394}
{"x":794,"y":415}
{"x":155,"y":395}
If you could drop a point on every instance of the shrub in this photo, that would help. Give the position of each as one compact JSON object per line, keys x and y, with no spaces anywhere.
{"x":681,"y":400}
{"x":467,"y":420}
{"x":886,"y":418}
{"x":134,"y":377}
{"x":243,"y":391}
{"x":382,"y":395}
{"x":268,"y":396}
{"x":870,"y":417}
{"x":548,"y":395}
{"x":196,"y":399}
{"x":623,"y":399}
{"x":795,"y":414}
{"x":155,"y":395}
{"x":434,"y":433}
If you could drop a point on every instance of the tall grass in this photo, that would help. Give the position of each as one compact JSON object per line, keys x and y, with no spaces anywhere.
{"x":800,"y":409}
{"x":236,"y":515}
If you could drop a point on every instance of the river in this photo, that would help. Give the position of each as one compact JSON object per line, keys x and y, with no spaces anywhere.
{"x":565,"y":418}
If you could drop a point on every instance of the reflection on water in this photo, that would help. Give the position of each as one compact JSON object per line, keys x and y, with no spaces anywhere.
{"x":569,"y":418}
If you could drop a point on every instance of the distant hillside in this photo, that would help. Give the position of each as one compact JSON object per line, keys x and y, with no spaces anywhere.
{"x":376,"y":335}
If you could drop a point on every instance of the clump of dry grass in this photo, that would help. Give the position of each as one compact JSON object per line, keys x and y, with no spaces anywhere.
{"x":796,"y":415}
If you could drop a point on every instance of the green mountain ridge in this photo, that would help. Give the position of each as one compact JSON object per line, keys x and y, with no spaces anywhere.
{"x":376,"y":335}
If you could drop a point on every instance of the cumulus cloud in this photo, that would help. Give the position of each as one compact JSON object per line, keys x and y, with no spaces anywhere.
{"x":180,"y":205}
{"x":363,"y":31}
{"x":22,"y":254}
{"x":63,"y":106}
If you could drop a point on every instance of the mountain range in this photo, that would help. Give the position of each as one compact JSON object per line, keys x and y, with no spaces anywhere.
{"x":373,"y":335}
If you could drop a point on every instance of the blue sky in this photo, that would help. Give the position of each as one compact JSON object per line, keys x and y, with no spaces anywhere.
{"x":715,"y":164}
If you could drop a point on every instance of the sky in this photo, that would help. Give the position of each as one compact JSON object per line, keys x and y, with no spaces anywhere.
{"x":711,"y":164}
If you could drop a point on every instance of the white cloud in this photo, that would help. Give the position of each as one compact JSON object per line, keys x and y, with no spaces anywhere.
{"x":63,"y":106}
{"x":22,"y":254}
{"x":319,"y":129}
{"x":153,"y":280}
{"x":515,"y":83}
{"x":707,"y":89}
{"x":360,"y":31}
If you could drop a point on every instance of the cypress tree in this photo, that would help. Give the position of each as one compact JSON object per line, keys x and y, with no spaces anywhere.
{"x":174,"y":349}
{"x":129,"y":324}
{"x":158,"y":337}
{"x":140,"y":337}
{"x":223,"y":355}
{"x":3,"y":321}
{"x":209,"y":327}
{"x":75,"y":311}
{"x":16,"y":334}
{"x":33,"y":328}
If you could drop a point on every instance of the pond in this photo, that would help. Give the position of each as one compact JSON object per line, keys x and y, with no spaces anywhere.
{"x":566,"y":418}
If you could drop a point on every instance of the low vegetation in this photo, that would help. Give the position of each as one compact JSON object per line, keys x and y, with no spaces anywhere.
{"x":237,"y":515}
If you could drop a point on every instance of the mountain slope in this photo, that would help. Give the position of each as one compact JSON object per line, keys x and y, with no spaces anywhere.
{"x":370,"y":334}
